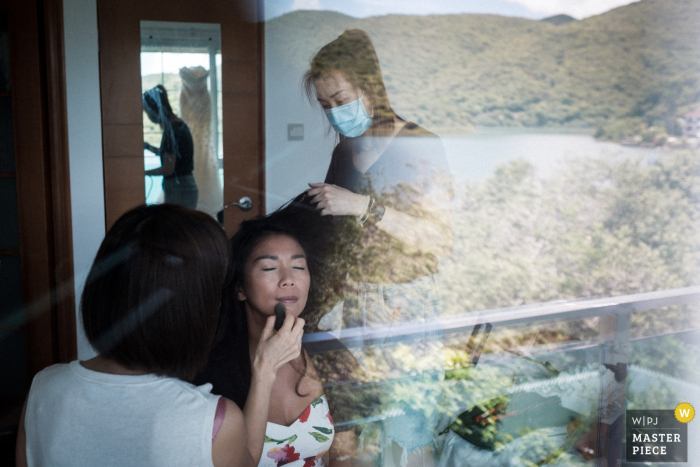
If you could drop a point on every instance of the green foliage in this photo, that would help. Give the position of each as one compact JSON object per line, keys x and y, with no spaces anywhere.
{"x":620,"y":128}
{"x":657,"y":398}
{"x":448,"y":73}
{"x":599,"y":227}
{"x":668,"y":355}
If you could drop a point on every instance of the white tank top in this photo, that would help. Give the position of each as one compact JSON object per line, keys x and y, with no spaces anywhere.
{"x":79,"y":417}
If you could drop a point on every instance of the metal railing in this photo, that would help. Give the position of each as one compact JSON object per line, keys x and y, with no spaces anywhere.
{"x":464,"y":322}
{"x":614,"y":339}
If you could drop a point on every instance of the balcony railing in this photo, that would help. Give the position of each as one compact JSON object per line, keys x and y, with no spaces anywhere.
{"x":613,"y":341}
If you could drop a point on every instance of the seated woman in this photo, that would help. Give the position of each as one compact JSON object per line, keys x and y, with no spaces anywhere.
{"x":150,"y":307}
{"x":286,"y":412}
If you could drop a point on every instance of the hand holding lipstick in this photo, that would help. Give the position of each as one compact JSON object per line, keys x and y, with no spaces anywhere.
{"x":280,"y":312}
{"x":277,"y":347}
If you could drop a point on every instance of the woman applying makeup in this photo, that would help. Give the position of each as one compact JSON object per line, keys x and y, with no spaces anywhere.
{"x":286,"y":412}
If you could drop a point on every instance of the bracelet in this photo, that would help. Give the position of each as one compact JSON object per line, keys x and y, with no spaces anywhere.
{"x":369,"y":200}
{"x":365,"y":215}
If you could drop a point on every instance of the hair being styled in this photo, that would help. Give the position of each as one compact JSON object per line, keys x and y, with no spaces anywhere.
{"x":352,"y":55}
{"x":299,"y":220}
{"x":151,"y":299}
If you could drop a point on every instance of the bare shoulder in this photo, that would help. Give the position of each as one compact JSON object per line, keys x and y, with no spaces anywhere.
{"x":230,"y":448}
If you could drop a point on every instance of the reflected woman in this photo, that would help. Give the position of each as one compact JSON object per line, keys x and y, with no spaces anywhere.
{"x":176,"y":150}
{"x":389,"y":187}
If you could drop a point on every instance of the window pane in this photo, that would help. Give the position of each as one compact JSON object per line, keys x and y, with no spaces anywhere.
{"x":522,"y":183}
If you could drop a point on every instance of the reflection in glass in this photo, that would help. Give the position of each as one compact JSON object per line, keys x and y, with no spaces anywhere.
{"x":394,"y":174}
{"x":185,"y":59}
{"x":573,"y":177}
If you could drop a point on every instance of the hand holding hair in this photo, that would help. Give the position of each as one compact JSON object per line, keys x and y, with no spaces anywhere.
{"x":336,"y":201}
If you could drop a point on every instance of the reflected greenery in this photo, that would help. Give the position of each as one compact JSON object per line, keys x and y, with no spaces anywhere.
{"x":599,"y":227}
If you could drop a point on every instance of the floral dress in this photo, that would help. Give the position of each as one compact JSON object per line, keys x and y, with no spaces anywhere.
{"x":304,"y":442}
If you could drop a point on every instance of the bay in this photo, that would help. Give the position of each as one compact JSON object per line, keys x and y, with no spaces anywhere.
{"x":475,"y":156}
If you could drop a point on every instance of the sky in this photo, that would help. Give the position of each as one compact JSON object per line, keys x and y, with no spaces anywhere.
{"x":532,"y":9}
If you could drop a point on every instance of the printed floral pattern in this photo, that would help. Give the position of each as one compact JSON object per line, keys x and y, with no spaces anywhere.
{"x":311,"y":461}
{"x":304,"y":417}
{"x":304,"y":442}
{"x":284,"y":455}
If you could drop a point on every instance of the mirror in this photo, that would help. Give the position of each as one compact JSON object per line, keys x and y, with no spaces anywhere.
{"x":182,"y":118}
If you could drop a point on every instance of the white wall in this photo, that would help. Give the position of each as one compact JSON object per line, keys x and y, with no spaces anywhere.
{"x":84,"y":143}
{"x":291,"y":165}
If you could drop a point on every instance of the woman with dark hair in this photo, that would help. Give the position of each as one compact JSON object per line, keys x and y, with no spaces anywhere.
{"x":286,"y":411}
{"x":150,"y":307}
{"x":389,"y":186}
{"x":176,"y":150}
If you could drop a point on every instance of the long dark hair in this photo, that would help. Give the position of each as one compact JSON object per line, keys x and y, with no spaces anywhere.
{"x":157,"y":107}
{"x":352,"y":55}
{"x":229,"y":368}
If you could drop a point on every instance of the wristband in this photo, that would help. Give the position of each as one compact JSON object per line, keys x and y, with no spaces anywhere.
{"x":365,"y":215}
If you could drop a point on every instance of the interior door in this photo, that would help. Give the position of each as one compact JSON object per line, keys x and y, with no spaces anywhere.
{"x":241,"y":32}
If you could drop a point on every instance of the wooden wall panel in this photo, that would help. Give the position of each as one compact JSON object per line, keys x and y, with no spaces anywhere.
{"x":124,"y":141}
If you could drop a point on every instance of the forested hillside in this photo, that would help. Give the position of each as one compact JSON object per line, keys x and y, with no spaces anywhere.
{"x":625,"y":70}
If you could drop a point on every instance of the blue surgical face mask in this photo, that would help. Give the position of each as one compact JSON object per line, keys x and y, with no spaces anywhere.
{"x":350,"y":119}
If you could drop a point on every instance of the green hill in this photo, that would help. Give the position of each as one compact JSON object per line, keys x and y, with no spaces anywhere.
{"x":634,"y":66}
{"x":559,"y":19}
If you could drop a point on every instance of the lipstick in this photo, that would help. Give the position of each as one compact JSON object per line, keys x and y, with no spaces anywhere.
{"x":280,"y":312}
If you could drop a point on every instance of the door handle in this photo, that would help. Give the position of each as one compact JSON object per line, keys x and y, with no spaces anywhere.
{"x":245,"y":204}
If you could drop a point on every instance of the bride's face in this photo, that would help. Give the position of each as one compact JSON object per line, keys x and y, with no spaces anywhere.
{"x":276,"y":272}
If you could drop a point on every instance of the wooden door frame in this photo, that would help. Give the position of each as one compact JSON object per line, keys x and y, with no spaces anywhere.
{"x":37,"y":69}
{"x":242,"y":33}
